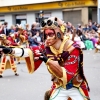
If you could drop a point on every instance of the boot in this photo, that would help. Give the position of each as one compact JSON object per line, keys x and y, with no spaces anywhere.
{"x":18,"y":63}
{"x":16,"y":74}
{"x":1,"y":76}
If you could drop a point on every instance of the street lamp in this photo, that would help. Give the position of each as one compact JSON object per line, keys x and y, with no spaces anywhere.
{"x":41,"y":16}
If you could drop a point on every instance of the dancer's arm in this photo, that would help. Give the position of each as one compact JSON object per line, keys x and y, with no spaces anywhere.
{"x":17,"y":52}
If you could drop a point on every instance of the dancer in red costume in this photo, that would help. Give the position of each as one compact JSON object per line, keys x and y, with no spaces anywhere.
{"x":30,"y":55}
{"x":22,"y":36}
{"x":65,"y":63}
{"x":7,"y":61}
{"x":64,"y":60}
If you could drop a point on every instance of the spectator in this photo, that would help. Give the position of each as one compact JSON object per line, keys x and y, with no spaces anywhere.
{"x":12,"y":29}
{"x":16,"y":28}
{"x":27,"y":27}
{"x":33,"y":29}
{"x":88,"y":42}
{"x":77,"y":39}
{"x":69,"y":32}
{"x":86,"y":28}
{"x":90,"y":26}
{"x":94,"y":26}
{"x":1,"y":29}
{"x":37,"y":38}
{"x":6,"y":30}
{"x":93,"y":37}
{"x":31,"y":40}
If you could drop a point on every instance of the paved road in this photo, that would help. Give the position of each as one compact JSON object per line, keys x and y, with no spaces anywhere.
{"x":32,"y":86}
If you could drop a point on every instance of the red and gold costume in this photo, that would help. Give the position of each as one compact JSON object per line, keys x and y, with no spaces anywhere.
{"x":72,"y":70}
{"x":29,"y":56}
{"x":64,"y":62}
{"x":22,"y":36}
{"x":7,"y":61}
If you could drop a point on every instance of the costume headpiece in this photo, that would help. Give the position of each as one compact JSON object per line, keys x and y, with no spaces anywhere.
{"x":20,"y":27}
{"x":52,"y":23}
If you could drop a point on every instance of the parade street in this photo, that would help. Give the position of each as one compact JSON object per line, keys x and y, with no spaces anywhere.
{"x":33,"y":86}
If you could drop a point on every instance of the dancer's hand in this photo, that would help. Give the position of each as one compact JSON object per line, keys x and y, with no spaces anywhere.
{"x":43,"y":58}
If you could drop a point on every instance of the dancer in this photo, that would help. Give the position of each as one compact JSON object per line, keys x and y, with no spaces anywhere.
{"x":64,"y":60}
{"x":7,"y":61}
{"x":22,"y":38}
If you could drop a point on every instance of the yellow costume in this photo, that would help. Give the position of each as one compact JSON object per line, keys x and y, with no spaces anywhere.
{"x":7,"y":61}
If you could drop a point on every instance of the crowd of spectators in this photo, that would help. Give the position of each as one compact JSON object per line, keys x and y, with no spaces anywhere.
{"x":86,"y":35}
{"x":34,"y":34}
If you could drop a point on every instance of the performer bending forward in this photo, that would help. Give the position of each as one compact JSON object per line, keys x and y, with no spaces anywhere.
{"x":64,"y":60}
{"x":7,"y":61}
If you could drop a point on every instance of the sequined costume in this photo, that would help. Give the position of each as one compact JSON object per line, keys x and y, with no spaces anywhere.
{"x":64,"y":61}
{"x":72,"y":67}
{"x":7,"y":61}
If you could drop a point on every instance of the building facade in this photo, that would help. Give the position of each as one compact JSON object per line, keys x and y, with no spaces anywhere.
{"x":22,"y":12}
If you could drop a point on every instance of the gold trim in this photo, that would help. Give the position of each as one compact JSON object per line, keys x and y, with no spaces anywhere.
{"x":30,"y":65}
{"x":55,"y":51}
{"x":50,"y":55}
{"x":48,"y":61}
{"x":64,"y":78}
{"x":69,"y":45}
{"x":82,"y":92}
